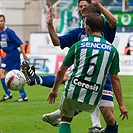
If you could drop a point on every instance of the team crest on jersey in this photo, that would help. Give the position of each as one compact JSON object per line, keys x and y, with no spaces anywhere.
{"x":86,"y":84}
{"x":83,"y":36}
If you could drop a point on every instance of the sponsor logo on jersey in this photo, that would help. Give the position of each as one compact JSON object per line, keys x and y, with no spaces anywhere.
{"x":86,"y":84}
{"x":96,"y":45}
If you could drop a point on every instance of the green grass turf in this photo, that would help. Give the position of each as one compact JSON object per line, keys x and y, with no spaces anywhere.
{"x":25,"y":117}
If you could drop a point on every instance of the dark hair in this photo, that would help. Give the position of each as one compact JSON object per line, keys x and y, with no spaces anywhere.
{"x":91,"y":9}
{"x":26,"y":41}
{"x":89,"y":1}
{"x":3,"y":17}
{"x":95,"y":22}
{"x":128,"y":44}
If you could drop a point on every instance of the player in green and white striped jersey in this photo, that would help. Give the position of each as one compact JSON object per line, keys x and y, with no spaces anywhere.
{"x":93,"y":58}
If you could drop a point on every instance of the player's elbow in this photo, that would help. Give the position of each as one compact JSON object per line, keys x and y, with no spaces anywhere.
{"x":56,"y":42}
{"x":113,"y":22}
{"x":114,"y":79}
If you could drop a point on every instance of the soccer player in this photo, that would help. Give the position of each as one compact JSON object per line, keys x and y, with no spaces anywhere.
{"x":106,"y":104}
{"x":93,"y":58}
{"x":75,"y":35}
{"x":9,"y":44}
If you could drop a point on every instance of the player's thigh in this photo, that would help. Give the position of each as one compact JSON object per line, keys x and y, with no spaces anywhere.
{"x":107,"y":110}
{"x":68,"y":108}
{"x":62,"y":100}
{"x":108,"y":115}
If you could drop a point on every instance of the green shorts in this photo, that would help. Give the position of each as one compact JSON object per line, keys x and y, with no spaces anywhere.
{"x":70,"y":106}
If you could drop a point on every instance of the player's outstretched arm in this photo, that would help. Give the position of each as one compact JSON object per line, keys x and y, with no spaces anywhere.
{"x":52,"y":32}
{"x":118,"y":93}
{"x":112,"y":21}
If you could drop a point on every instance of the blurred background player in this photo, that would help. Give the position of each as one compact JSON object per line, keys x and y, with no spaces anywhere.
{"x":79,"y":33}
{"x":2,"y":55}
{"x":127,"y":50}
{"x":27,"y":47}
{"x":9,"y":44}
{"x":78,"y":93}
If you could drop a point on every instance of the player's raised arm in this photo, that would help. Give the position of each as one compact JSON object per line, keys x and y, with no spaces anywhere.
{"x":112,"y":21}
{"x":52,"y":32}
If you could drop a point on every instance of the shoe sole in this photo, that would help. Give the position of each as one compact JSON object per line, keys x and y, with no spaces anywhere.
{"x":46,"y":119}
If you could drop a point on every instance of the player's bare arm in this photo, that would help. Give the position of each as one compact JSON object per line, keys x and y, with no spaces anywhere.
{"x":52,"y":32}
{"x":118,"y":93}
{"x":112,"y":21}
{"x":58,"y":80}
{"x":23,"y":52}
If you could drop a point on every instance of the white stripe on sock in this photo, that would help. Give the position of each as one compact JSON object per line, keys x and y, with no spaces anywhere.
{"x":64,"y":122}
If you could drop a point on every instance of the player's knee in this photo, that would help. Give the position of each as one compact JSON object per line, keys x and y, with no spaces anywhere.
{"x":110,"y":120}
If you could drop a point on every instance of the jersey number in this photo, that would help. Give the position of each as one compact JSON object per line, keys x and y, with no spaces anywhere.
{"x":92,"y":66}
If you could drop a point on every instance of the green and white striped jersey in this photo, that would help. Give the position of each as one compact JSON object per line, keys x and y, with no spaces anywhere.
{"x":93,"y":58}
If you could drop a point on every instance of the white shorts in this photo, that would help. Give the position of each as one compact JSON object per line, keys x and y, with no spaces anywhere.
{"x":106,"y":103}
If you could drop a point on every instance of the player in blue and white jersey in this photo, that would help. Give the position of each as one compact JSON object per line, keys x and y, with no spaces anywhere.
{"x":9,"y":43}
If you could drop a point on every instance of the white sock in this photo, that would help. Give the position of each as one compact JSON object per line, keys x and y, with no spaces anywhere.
{"x":95,"y":117}
{"x":54,"y":115}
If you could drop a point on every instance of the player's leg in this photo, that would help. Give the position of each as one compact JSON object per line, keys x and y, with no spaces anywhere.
{"x":96,"y":124}
{"x":47,"y":81}
{"x":33,"y":78}
{"x":53,"y":118}
{"x":108,"y":115}
{"x":108,"y":96}
{"x":106,"y":106}
{"x":67,"y":115}
{"x":8,"y":94}
{"x":23,"y":97}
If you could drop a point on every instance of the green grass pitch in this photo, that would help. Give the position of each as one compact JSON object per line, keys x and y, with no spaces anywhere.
{"x":25,"y":117}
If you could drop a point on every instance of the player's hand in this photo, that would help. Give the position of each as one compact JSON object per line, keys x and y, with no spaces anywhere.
{"x":51,"y":97}
{"x":49,"y":20}
{"x":124,"y":112}
{"x":95,"y":2}
{"x":25,"y":56}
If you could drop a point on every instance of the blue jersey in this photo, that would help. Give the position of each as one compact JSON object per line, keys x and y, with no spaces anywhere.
{"x":9,"y":43}
{"x":9,"y":40}
{"x":79,"y":33}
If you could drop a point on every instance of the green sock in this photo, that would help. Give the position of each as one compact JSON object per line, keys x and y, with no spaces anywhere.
{"x":64,"y":127}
